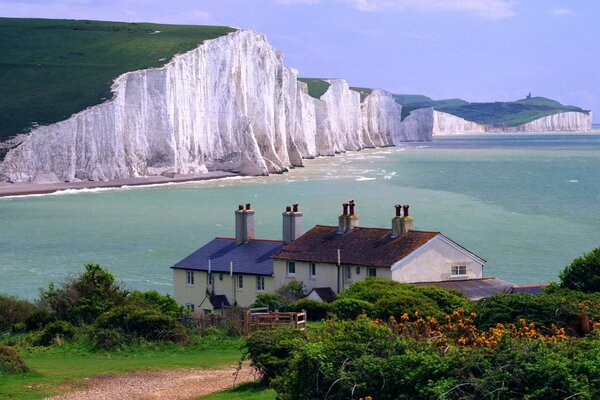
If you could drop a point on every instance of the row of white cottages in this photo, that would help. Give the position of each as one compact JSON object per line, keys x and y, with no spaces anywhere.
{"x":326,"y":259}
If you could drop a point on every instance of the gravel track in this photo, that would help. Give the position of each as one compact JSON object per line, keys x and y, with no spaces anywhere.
{"x":173,"y":384}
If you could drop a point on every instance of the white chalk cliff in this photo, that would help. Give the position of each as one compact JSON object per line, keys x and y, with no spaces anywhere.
{"x":229,"y":104}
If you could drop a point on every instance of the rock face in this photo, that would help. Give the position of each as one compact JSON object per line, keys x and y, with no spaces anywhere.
{"x":448,"y":124}
{"x":230,"y":104}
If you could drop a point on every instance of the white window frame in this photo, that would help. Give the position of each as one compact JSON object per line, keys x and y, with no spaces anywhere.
{"x":312,"y":270}
{"x":348,"y":272}
{"x":189,"y":277}
{"x":240,"y":282}
{"x":457,"y":271}
{"x":372,"y":271}
{"x":260,"y":283}
{"x":357,"y":270}
{"x":291,"y":265}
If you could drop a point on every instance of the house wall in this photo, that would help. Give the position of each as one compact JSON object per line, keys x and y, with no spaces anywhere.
{"x":196,"y":294}
{"x":433,"y":263}
{"x":326,"y":275}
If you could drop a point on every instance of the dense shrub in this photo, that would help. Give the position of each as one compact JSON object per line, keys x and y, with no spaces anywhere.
{"x":136,"y":322}
{"x":372,"y":289}
{"x":291,"y":292}
{"x":10,"y":361}
{"x":348,"y":308}
{"x":407,"y":303}
{"x":56,"y":331}
{"x":13,"y":311}
{"x":38,"y":320}
{"x":315,"y":310}
{"x":270,"y":300}
{"x":542,"y":309}
{"x":446,"y":300}
{"x":583,"y":273}
{"x":271,"y":350}
{"x":82,"y":299}
{"x":106,"y":339}
{"x":157,"y":301}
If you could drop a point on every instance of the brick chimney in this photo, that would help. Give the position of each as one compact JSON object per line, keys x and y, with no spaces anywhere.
{"x":408,"y":221}
{"x":343,"y":220}
{"x":398,"y":223}
{"x":244,"y":224}
{"x":292,"y":224}
{"x":349,"y":219}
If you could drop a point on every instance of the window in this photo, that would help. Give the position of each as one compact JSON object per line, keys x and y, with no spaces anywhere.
{"x":190,"y":307}
{"x":357,"y":270}
{"x":313,"y":270}
{"x":291,"y":268}
{"x":240,"y":281}
{"x":189,"y":277}
{"x":220,"y":277}
{"x":372,"y":272}
{"x":260,"y":283}
{"x":458,"y":270}
{"x":349,"y":272}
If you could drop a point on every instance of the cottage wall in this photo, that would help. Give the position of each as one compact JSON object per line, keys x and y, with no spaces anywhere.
{"x":433,"y":263}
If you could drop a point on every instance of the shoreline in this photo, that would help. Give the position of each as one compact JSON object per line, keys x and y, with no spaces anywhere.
{"x":27,"y":189}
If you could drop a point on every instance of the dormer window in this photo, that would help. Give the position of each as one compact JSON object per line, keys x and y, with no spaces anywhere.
{"x":458,"y":270}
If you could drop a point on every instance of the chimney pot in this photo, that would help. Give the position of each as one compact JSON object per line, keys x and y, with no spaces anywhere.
{"x":406,"y":210}
{"x":398,"y":210}
{"x":345,"y":207}
{"x":351,"y":202}
{"x":295,"y":208}
{"x":248,"y":206}
{"x":240,"y":207}
{"x":288,"y":209}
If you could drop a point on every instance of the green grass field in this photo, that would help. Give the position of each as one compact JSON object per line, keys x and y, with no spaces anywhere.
{"x":51,"y":69}
{"x":54,"y":365}
{"x":508,"y":114}
{"x":245,"y":391}
{"x":316,"y":86}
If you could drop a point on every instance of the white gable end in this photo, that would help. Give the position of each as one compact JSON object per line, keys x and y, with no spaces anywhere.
{"x":440,"y":259}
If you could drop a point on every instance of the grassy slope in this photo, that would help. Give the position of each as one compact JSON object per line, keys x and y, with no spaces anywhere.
{"x":316,"y":86}
{"x":364,"y":92}
{"x":498,"y":114}
{"x":55,"y":365}
{"x":246,"y":391}
{"x":51,"y":69}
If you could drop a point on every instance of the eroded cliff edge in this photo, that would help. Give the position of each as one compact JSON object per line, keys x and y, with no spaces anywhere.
{"x":230,"y":104}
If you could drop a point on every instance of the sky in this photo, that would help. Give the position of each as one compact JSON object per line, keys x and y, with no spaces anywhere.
{"x":478,"y":50}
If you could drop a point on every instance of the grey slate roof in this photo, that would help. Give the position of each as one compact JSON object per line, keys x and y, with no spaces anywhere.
{"x":252,"y":257}
{"x":474,"y":289}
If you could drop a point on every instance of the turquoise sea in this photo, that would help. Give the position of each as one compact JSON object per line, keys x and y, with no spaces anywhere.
{"x":528,"y":204}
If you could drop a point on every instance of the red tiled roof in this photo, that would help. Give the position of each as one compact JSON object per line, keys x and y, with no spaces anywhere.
{"x":372,"y":247}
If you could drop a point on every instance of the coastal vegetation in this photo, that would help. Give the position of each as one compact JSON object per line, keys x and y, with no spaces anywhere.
{"x":316,"y":86}
{"x":498,"y":114}
{"x":60,"y":67}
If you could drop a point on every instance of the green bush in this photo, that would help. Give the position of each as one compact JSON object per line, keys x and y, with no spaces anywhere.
{"x":407,"y":303}
{"x":583,"y":273}
{"x":106,"y":339}
{"x":348,"y":308}
{"x":38,"y":320}
{"x":446,"y":300}
{"x":13,"y":310}
{"x":271,"y":350}
{"x":372,"y":289}
{"x":56,"y":331}
{"x":149,"y":324}
{"x":270,"y":300}
{"x":82,"y":299}
{"x":291,"y":292}
{"x":315,"y":310}
{"x":10,"y":361}
{"x":157,"y":301}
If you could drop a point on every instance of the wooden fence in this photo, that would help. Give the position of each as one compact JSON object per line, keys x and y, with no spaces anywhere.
{"x":243,"y":321}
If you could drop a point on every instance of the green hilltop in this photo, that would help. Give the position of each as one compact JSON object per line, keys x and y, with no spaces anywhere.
{"x":51,"y":69}
{"x":508,"y":114}
{"x":316,"y":86}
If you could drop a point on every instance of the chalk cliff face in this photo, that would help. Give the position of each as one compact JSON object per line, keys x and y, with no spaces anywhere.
{"x":566,"y":121}
{"x":230,"y":104}
{"x":444,"y":124}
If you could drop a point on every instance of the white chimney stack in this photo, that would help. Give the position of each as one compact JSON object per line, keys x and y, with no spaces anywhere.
{"x":292,"y":224}
{"x":244,"y":224}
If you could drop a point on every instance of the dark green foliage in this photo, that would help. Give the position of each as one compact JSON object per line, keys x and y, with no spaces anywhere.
{"x":56,"y":331}
{"x":353,"y":359}
{"x":271,"y":350}
{"x":38,"y":320}
{"x":290,"y":292}
{"x":543,"y":309}
{"x":154,"y":300}
{"x":407,"y":303}
{"x":316,"y":86}
{"x":135,"y":322}
{"x":372,"y":289}
{"x":13,"y":311}
{"x":106,"y":339}
{"x":315,"y":310}
{"x":83,"y":299}
{"x":583,"y":273}
{"x":270,"y":300}
{"x":11,"y":362}
{"x":500,"y":114}
{"x":51,"y":69}
{"x":446,"y":300}
{"x":348,"y":308}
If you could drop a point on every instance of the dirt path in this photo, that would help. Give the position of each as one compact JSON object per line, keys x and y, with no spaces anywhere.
{"x":175,"y":384}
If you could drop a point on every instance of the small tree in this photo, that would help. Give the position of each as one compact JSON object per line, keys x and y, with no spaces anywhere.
{"x":583,"y":274}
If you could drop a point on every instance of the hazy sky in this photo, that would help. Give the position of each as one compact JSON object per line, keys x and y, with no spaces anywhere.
{"x":479,"y":50}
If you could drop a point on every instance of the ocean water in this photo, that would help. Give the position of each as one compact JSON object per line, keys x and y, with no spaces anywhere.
{"x":528,"y":204}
